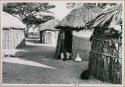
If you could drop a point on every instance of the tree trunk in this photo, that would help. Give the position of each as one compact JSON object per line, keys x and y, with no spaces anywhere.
{"x":26,"y":31}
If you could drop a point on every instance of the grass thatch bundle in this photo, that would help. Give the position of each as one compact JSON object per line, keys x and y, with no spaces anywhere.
{"x":49,"y":25}
{"x":9,"y":21}
{"x":78,"y":17}
{"x":105,"y":61}
{"x":107,"y":19}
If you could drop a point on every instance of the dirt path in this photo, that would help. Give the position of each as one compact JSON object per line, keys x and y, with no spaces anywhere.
{"x":37,"y":65}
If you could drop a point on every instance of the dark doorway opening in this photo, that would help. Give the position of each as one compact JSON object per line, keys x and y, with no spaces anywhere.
{"x":64,"y":43}
{"x":68,"y":41}
{"x":42,"y":37}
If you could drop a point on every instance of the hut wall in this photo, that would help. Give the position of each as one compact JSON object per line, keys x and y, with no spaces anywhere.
{"x":106,"y":59}
{"x":54,"y":37}
{"x":81,"y":44}
{"x":49,"y":37}
{"x":13,"y":38}
{"x":58,"y":45}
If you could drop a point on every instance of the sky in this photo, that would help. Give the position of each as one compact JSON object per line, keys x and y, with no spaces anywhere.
{"x":60,"y":10}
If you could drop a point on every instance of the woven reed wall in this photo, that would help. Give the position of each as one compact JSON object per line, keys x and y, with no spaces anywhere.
{"x":82,"y":46}
{"x":49,"y":37}
{"x":13,"y":38}
{"x":106,"y":60}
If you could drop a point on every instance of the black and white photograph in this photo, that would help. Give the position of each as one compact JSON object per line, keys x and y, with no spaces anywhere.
{"x":62,"y":42}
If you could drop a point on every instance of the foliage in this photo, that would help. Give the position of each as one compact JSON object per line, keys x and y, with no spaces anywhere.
{"x":103,"y":5}
{"x":72,"y":5}
{"x":26,"y":12}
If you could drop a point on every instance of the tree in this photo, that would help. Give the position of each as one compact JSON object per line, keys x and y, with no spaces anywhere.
{"x":104,"y":5}
{"x":26,"y":12}
{"x":72,"y":5}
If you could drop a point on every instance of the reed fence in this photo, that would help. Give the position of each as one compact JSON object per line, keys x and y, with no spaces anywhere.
{"x":13,"y":38}
{"x":106,"y":60}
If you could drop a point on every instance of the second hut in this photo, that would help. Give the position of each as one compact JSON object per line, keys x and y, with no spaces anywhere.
{"x":106,"y":49}
{"x":48,"y":33}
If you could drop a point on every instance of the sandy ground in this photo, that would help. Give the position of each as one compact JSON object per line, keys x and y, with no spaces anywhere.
{"x":36,"y":65}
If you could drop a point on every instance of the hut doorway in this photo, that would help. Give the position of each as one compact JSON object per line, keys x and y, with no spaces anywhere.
{"x":68,"y":41}
{"x":42,"y":37}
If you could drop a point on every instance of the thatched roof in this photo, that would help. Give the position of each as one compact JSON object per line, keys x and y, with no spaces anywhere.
{"x":49,"y":25}
{"x":9,"y":21}
{"x":78,"y":17}
{"x":109,"y":18}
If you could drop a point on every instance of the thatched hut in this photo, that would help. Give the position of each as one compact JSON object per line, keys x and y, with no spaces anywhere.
{"x":13,"y":32}
{"x":106,"y":53}
{"x":48,"y":33}
{"x":73,"y":38}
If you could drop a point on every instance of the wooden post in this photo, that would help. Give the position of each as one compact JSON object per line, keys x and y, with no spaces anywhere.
{"x":40,"y":37}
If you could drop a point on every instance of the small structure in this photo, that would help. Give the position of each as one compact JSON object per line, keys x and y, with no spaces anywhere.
{"x":105,"y":61}
{"x":48,"y":33}
{"x":33,"y":32}
{"x":73,"y":38}
{"x":12,"y":32}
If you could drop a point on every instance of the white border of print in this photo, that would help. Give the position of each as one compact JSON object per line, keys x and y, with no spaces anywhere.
{"x":64,"y":85}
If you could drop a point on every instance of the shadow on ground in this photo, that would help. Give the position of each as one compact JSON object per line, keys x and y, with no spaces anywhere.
{"x":35,"y":64}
